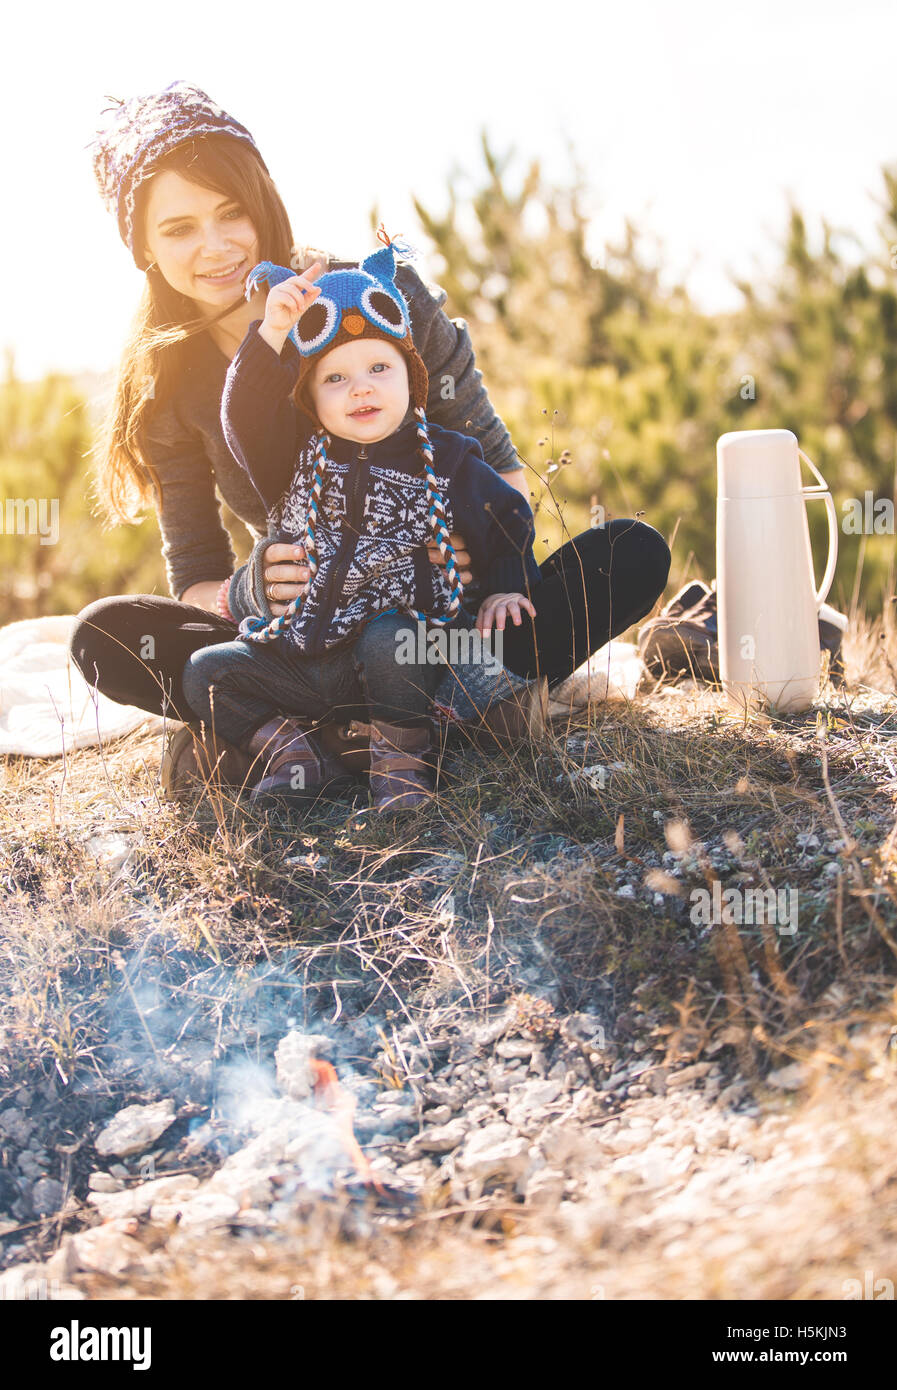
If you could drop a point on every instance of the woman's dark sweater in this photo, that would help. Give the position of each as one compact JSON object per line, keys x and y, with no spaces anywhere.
{"x":187,"y":448}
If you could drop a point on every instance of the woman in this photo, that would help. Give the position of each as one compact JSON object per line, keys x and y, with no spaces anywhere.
{"x":197,"y":208}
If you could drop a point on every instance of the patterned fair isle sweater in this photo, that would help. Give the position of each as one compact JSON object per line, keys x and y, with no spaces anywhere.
{"x":372,"y":527}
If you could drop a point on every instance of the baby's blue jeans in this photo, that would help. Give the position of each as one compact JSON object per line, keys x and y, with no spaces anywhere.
{"x":235,"y":687}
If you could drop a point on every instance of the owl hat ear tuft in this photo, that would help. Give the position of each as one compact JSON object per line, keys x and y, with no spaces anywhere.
{"x":382,"y":265}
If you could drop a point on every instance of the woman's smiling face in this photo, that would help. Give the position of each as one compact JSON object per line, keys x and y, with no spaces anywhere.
{"x":202,"y":241}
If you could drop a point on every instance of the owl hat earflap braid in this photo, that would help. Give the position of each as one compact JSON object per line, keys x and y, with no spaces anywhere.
{"x":356,"y":304}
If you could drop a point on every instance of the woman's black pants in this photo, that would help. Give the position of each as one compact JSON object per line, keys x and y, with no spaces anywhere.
{"x":134,"y":647}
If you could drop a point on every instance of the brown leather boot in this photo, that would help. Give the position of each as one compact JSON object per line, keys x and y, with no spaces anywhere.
{"x":294,"y":762}
{"x":193,"y":758}
{"x":507,"y":722}
{"x":403,"y":775}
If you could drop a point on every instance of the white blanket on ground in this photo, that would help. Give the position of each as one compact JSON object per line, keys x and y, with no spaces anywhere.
{"x":44,"y":699}
{"x":611,"y":673}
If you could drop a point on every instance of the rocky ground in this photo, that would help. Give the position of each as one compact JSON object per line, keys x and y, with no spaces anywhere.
{"x":676,"y":1122}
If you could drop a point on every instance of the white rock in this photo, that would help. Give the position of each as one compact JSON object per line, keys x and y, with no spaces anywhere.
{"x":545,"y":1187}
{"x":509,"y":1048}
{"x":530,"y":1097}
{"x":137,"y":1200}
{"x":293,"y":1059}
{"x":133,"y":1129}
{"x":494,"y":1152}
{"x":488,"y":1032}
{"x":111,"y":851}
{"x":106,"y":1249}
{"x":442,"y":1139}
{"x":104,"y":1182}
{"x":624,"y":1141}
{"x":209,"y":1208}
{"x":560,"y":1142}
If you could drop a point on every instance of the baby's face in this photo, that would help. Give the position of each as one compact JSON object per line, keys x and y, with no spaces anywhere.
{"x":360,"y":390}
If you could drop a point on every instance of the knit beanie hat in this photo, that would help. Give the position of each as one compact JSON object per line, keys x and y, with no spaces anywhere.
{"x":139,"y":132}
{"x":353,"y":304}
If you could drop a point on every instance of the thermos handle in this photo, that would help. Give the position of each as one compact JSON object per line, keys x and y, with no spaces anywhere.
{"x":823,"y":492}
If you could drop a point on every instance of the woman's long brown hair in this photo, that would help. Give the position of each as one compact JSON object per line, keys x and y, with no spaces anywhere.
{"x":157,"y":347}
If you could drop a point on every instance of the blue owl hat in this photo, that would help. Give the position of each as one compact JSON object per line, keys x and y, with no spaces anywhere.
{"x":353,"y":304}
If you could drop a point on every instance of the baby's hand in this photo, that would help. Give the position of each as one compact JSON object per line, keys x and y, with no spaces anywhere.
{"x":288,"y":301}
{"x":496,"y":607}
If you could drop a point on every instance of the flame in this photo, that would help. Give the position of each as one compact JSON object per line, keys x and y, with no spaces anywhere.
{"x":330,"y":1095}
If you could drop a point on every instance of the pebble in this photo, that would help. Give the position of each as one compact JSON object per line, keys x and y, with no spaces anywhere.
{"x":494,"y":1152}
{"x":530,"y":1098}
{"x":688,"y":1074}
{"x":538,"y":1063}
{"x":209,"y":1209}
{"x":107,"y":1249}
{"x":293,"y":1058}
{"x":439,"y":1093}
{"x":441,"y":1140}
{"x":514,"y":1047}
{"x":28,"y":1165}
{"x":104,"y":1182}
{"x":47,"y":1196}
{"x":136,"y":1201}
{"x":387,"y":1119}
{"x":545,"y":1187}
{"x":135,"y":1128}
{"x":15,"y":1125}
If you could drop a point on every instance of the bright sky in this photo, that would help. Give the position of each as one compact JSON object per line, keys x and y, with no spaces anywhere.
{"x":695,"y":119}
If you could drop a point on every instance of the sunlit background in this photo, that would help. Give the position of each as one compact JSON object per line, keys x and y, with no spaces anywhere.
{"x":696,"y":120}
{"x":750,"y":150}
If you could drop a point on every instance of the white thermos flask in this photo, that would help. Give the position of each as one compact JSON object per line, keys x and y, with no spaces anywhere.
{"x":767,"y":601}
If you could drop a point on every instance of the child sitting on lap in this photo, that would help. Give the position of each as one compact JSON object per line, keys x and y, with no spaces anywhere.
{"x":328,"y":375}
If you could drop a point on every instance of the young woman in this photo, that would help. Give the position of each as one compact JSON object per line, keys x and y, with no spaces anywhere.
{"x":197,"y":208}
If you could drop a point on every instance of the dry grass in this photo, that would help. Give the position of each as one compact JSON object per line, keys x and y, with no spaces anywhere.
{"x":511,"y":883}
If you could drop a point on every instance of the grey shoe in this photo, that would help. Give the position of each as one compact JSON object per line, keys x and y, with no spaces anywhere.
{"x":403,"y":775}
{"x":294,"y":762}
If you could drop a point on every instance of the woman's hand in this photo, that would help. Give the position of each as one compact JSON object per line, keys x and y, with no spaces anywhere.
{"x":495,"y":609}
{"x":286,"y":303}
{"x":462,"y":556}
{"x":286,"y":574}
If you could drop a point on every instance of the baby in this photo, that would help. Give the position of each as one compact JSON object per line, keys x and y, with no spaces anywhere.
{"x":324,"y":407}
